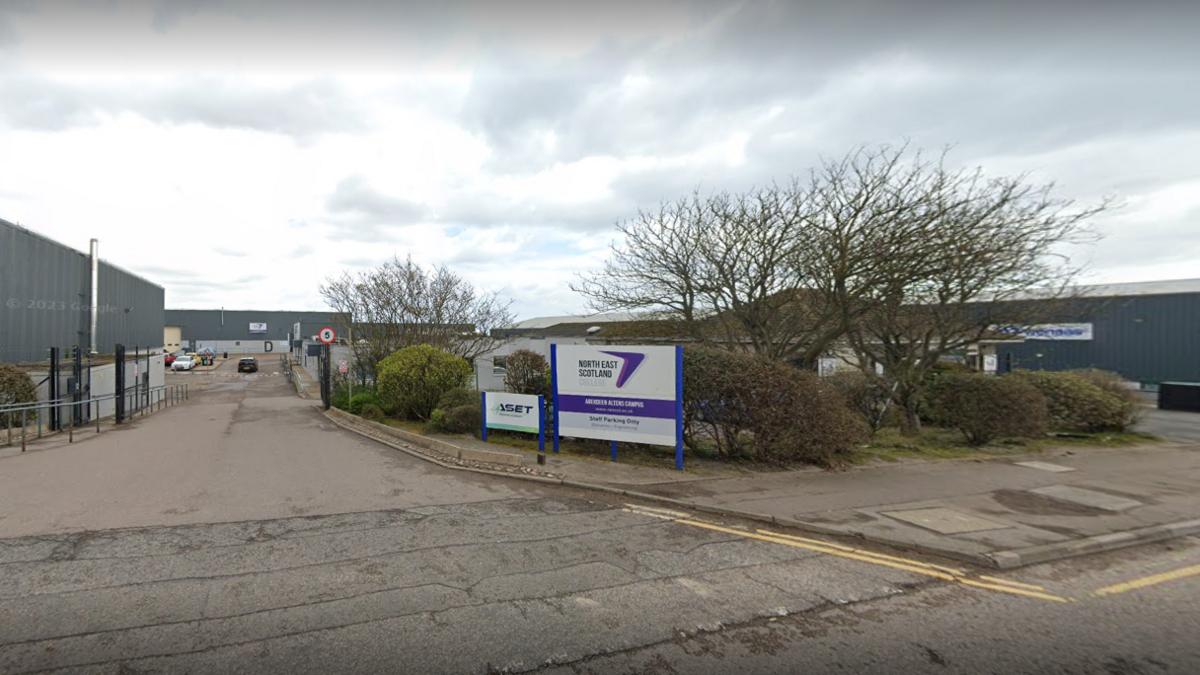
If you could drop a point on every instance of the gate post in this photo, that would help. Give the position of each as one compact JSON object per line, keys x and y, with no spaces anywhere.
{"x":119,"y":383}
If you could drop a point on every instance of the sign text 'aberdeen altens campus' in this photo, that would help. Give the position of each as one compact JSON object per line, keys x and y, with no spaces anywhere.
{"x":629,"y":394}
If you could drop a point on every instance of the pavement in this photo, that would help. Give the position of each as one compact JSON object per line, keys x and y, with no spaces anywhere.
{"x":1001,"y":513}
{"x":243,"y":531}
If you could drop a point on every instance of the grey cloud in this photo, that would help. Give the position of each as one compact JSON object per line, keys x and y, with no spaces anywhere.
{"x":8,"y":35}
{"x":303,"y":111}
{"x":361,"y":261}
{"x":169,"y":13}
{"x":356,"y":198}
{"x":171,"y":273}
{"x":1174,"y":239}
{"x":489,"y":211}
{"x":359,"y":212}
{"x":1060,"y":79}
{"x":514,"y":97}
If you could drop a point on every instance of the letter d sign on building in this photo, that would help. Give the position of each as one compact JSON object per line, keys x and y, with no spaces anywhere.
{"x":619,"y":393}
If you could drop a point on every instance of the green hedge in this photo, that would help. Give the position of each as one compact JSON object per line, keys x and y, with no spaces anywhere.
{"x":413,"y":380}
{"x":764,"y":410}
{"x":986,"y":407}
{"x":1075,"y":403}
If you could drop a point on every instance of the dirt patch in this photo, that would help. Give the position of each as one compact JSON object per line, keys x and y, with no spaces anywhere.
{"x":1039,"y":505}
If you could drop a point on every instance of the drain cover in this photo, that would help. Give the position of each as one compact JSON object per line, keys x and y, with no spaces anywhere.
{"x":946,"y":521}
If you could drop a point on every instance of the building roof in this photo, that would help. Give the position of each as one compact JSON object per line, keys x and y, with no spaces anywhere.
{"x":1169,"y":287}
{"x":37,"y":235}
{"x":547,"y":321}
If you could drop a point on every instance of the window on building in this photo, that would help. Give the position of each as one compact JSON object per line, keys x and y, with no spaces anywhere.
{"x":499,"y":365}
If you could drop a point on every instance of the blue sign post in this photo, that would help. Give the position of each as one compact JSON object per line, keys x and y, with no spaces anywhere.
{"x":679,"y":407}
{"x":554,"y":391}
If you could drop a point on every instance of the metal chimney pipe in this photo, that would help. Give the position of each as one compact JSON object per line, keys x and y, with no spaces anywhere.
{"x":95,"y":250}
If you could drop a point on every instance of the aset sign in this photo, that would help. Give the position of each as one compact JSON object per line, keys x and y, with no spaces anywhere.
{"x":514,"y":412}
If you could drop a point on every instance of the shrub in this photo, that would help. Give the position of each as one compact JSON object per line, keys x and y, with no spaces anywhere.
{"x":867,"y":396}
{"x":361,"y":399}
{"x":339,"y":397}
{"x":464,"y":419}
{"x":459,"y":396}
{"x":460,"y":411}
{"x":15,"y":387}
{"x":437,"y":420}
{"x":987,"y":407}
{"x":1074,"y":402}
{"x":798,"y":417}
{"x":1118,"y":387}
{"x":370,"y":411}
{"x":771,"y":410}
{"x":413,"y":380}
{"x":939,"y":373}
{"x":525,"y":373}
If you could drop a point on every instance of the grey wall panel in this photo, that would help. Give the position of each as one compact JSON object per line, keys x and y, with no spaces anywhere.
{"x":1145,"y":338}
{"x":217,"y":325}
{"x":45,"y":300}
{"x":134,"y":311}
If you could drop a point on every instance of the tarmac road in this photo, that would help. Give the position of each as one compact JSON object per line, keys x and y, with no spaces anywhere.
{"x":243,"y":533}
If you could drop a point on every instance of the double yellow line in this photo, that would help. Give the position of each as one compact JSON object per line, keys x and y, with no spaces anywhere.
{"x":1151,"y":580}
{"x":914,"y":566}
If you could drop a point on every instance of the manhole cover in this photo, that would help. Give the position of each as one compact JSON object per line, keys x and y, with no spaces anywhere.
{"x":946,"y":521}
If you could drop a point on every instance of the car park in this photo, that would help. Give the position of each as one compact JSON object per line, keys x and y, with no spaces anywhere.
{"x":185,"y":362}
{"x":247,"y":364}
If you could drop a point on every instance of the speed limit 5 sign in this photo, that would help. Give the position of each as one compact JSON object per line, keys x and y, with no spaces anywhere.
{"x":327,"y":335}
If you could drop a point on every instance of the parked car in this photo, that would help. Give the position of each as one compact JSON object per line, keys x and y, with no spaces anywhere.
{"x":247,"y":364}
{"x":185,"y":362}
{"x":168,"y":359}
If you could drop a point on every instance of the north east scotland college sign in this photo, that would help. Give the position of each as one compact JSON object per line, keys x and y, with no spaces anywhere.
{"x":620,"y":393}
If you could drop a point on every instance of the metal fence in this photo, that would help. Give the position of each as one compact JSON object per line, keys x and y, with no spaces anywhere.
{"x":129,"y":404}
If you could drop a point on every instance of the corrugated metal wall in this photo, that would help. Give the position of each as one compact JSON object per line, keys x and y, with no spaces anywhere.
{"x":209,"y":325}
{"x":1152,"y":338}
{"x":45,"y":299}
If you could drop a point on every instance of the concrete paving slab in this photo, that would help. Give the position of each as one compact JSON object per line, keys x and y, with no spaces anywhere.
{"x":1091,"y":498}
{"x":1045,"y":466}
{"x":945,"y":521}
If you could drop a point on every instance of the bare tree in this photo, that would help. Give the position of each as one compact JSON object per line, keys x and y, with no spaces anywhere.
{"x":977,"y":252}
{"x":883,"y":250}
{"x":400,"y":303}
{"x":728,"y":268}
{"x":783,"y":271}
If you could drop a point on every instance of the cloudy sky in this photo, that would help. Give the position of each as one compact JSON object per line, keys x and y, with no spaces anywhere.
{"x":238,"y":152}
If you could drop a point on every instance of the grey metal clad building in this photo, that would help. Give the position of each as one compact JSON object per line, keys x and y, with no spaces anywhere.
{"x":46,"y":297}
{"x":1148,"y":332}
{"x":242,"y":331}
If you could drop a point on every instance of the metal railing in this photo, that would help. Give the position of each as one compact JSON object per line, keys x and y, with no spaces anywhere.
{"x":137,"y":401}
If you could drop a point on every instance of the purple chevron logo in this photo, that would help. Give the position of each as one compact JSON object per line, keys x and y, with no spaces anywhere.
{"x":629,"y":363}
